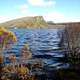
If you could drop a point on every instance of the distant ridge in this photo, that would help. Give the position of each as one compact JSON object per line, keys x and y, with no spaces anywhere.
{"x":70,"y":23}
{"x":64,"y":24}
{"x":35,"y":22}
{"x":26,"y":22}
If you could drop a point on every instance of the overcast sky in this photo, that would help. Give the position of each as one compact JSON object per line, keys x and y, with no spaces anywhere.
{"x":51,"y":10}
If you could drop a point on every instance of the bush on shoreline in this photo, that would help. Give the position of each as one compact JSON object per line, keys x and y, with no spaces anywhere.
{"x":71,"y":43}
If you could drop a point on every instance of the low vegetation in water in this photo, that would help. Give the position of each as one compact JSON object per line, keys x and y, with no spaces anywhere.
{"x":7,"y":38}
{"x":71,"y":43}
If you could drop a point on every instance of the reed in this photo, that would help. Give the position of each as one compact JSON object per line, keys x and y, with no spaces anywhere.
{"x":71,"y":43}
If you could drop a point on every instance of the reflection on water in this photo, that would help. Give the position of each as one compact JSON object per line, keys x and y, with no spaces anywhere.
{"x":42,"y":42}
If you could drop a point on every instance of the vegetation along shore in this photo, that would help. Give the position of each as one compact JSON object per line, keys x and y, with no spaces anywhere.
{"x":38,"y":70}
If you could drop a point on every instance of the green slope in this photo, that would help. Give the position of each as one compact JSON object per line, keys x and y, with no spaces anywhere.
{"x":26,"y":22}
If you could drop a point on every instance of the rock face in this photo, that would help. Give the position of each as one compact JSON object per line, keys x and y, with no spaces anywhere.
{"x":26,"y":22}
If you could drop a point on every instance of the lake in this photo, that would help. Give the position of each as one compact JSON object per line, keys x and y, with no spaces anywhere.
{"x":43,"y":43}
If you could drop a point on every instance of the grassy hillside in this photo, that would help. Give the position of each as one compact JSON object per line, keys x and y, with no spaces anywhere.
{"x":26,"y":22}
{"x":35,"y":22}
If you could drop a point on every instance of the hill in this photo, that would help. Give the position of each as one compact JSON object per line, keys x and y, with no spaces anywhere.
{"x":26,"y":22}
{"x":55,"y":25}
{"x":63,"y":25}
{"x":35,"y":22}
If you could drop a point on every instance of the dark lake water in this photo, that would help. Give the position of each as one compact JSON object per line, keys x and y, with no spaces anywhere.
{"x":43,"y":44}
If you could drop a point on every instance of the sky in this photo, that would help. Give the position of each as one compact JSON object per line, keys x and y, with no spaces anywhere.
{"x":52,"y":10}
